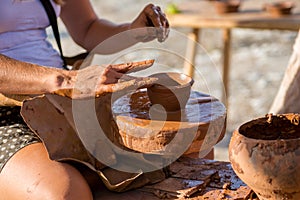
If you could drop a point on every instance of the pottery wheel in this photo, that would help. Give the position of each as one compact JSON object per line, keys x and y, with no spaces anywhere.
{"x":150,"y":129}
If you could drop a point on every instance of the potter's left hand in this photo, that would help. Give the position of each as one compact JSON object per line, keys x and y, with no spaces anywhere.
{"x":151,"y":23}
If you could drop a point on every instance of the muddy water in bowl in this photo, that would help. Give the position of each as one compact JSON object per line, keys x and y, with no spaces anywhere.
{"x":171,"y":91}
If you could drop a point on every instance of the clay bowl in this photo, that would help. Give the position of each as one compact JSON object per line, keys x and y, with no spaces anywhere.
{"x":279,"y":8}
{"x":265,"y":154}
{"x":171,"y":91}
{"x":227,"y":6}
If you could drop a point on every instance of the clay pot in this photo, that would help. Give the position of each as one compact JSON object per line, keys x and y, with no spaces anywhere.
{"x":265,"y":154}
{"x":172,"y":91}
{"x":279,"y":8}
{"x":227,"y":6}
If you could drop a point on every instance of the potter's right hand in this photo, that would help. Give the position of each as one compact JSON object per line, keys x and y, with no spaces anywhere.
{"x":95,"y":81}
{"x":151,"y":23}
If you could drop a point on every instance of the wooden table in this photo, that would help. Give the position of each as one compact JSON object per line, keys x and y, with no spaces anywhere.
{"x":198,"y":14}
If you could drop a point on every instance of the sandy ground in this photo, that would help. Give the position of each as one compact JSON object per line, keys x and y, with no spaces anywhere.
{"x":259,"y":59}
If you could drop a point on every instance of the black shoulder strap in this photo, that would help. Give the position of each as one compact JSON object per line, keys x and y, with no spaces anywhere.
{"x":53,"y":21}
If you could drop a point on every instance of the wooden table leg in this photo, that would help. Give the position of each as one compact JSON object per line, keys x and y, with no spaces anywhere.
{"x":226,"y":63}
{"x":191,"y":50}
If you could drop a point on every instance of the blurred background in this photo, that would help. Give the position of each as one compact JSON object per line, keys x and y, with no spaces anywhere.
{"x":258,"y":60}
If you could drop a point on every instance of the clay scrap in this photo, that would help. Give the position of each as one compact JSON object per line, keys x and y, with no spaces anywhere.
{"x":201,"y":179}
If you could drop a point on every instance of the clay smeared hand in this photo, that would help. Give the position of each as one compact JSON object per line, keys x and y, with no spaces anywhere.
{"x":95,"y":81}
{"x":150,"y":24}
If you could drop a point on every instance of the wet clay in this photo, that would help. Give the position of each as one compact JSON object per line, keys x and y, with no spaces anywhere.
{"x":192,"y":179}
{"x":200,"y":107}
{"x":171,"y":91}
{"x":265,"y":154}
{"x":150,"y":130}
{"x":273,"y":127}
{"x":196,"y":179}
{"x":57,"y":127}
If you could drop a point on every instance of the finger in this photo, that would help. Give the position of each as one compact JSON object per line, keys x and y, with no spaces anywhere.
{"x":132,"y":66}
{"x":126,"y":77}
{"x":110,"y":73}
{"x":159,"y":21}
{"x":117,"y":87}
{"x":165,"y":23}
{"x":132,"y":84}
{"x":122,"y":87}
{"x":64,"y":92}
{"x":111,"y":77}
{"x":152,"y":13}
{"x":163,"y":18}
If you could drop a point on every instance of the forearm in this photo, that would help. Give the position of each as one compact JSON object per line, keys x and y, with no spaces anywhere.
{"x":88,"y":30}
{"x":105,"y":37}
{"x":18,"y":77}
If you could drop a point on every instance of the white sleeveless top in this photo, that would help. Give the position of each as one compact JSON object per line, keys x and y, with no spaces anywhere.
{"x":23,"y":35}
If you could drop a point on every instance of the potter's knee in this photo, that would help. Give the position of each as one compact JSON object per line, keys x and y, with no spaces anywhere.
{"x":68,"y":185}
{"x":69,"y":193}
{"x":72,"y":186}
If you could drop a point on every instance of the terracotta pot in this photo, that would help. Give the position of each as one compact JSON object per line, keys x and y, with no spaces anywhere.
{"x":265,"y":154}
{"x":279,"y":8}
{"x":172,"y":91}
{"x":227,"y":6}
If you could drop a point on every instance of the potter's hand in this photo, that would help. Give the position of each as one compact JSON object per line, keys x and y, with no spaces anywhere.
{"x":95,"y":81}
{"x":150,"y":24}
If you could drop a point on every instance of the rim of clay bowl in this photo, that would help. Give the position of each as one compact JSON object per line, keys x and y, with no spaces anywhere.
{"x":162,"y":86}
{"x":262,"y":120}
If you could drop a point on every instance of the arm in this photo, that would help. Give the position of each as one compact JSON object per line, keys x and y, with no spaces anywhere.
{"x":18,"y":77}
{"x":87,"y":30}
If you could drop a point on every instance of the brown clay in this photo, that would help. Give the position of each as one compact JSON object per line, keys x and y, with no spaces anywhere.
{"x":141,"y":132}
{"x":265,"y":154}
{"x":171,"y":91}
{"x":191,"y":179}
